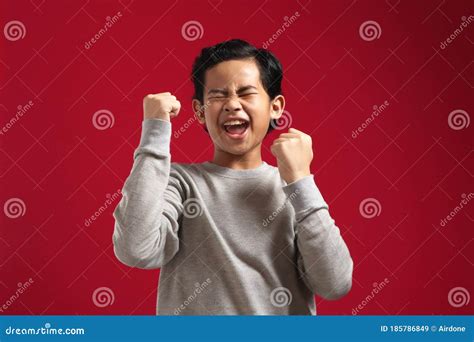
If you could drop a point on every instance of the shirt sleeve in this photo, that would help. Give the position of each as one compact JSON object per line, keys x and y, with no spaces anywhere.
{"x":324,"y":260}
{"x":148,"y":215}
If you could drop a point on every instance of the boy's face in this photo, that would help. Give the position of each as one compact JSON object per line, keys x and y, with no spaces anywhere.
{"x":233,"y":89}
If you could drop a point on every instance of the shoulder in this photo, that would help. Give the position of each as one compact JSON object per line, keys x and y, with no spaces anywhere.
{"x":186,"y":171}
{"x":204,"y":170}
{"x":185,"y":167}
{"x":273,"y":169}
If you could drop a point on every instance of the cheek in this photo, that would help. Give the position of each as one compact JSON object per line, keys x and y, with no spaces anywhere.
{"x":260,"y":114}
{"x":212,"y":123}
{"x":212,"y":114}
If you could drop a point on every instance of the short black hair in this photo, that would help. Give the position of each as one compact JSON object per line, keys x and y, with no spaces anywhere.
{"x":271,"y":71}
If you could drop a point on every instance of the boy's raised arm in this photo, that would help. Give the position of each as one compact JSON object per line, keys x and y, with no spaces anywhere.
{"x":146,"y":218}
{"x":324,"y":260}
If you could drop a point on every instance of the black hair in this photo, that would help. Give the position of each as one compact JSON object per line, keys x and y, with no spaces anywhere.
{"x":271,"y":71}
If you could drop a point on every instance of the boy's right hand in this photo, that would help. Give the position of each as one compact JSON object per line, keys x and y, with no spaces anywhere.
{"x":160,"y":106}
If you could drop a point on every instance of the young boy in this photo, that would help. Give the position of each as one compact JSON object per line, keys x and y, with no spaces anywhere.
{"x":235,"y":235}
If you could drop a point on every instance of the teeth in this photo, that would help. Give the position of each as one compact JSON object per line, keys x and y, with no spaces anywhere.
{"x":234,"y":122}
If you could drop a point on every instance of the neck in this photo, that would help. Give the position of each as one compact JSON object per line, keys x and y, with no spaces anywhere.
{"x":250,"y":160}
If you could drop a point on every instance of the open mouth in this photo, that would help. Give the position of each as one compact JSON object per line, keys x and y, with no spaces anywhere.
{"x":236,"y":128}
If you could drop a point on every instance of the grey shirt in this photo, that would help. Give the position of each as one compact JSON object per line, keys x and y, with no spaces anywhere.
{"x":228,"y":242}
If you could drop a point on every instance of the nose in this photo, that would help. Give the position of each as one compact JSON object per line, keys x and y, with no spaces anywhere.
{"x":232,"y":105}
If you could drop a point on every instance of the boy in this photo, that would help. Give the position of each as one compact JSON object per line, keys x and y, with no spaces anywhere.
{"x":234,"y":235}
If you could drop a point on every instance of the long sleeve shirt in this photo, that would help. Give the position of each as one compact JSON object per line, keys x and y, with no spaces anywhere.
{"x":227,"y":241}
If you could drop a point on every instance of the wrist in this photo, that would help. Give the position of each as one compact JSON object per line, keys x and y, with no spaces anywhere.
{"x":304,"y":194}
{"x":155,"y":138}
{"x":164,"y":117}
{"x":296,"y":176}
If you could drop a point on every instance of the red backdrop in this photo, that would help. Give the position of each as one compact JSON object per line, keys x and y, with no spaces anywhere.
{"x":389,"y":178}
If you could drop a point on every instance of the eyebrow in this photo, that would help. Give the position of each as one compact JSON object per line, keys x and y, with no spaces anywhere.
{"x":225,"y":92}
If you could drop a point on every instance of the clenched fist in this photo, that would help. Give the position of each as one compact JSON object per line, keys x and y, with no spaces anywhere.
{"x":294,"y":153}
{"x":160,"y":106}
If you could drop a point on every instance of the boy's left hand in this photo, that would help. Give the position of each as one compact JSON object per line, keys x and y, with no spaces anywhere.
{"x":294,"y":153}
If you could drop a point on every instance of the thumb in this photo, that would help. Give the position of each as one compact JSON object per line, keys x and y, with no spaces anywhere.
{"x":273,"y":149}
{"x":175,"y":108}
{"x":294,"y":130}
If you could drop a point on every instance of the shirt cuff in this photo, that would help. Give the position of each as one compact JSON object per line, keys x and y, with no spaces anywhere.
{"x":303,"y":194}
{"x":155,"y":138}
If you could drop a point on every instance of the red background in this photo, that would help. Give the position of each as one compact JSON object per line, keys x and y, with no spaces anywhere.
{"x":409,"y":158}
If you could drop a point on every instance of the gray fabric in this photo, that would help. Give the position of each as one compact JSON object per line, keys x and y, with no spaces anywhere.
{"x":228,"y":242}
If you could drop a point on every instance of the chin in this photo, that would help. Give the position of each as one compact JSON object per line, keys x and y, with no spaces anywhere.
{"x":242,"y":149}
{"x":237,"y":151}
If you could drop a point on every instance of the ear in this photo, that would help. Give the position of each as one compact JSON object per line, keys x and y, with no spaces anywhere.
{"x":277,"y":106}
{"x":198,"y":110}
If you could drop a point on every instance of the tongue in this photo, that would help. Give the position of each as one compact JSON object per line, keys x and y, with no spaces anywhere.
{"x":236,"y":129}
